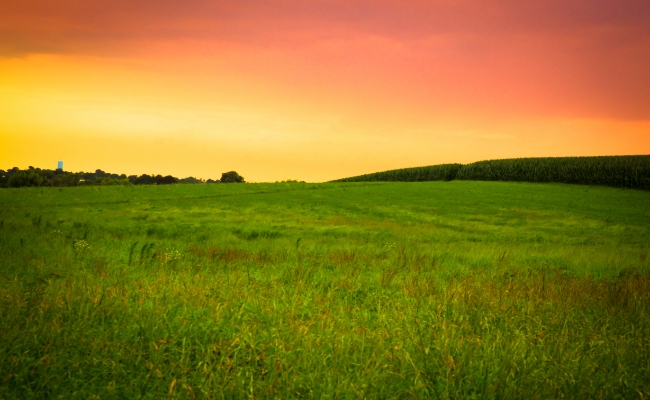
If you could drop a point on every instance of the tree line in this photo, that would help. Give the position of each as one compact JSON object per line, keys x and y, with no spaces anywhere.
{"x":37,"y":177}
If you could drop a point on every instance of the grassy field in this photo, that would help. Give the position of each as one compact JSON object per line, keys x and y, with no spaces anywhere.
{"x":454,"y":289}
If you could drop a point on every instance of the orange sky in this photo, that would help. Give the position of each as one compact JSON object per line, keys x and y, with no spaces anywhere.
{"x":318,"y":90}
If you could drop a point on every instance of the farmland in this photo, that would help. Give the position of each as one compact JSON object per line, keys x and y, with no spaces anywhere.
{"x":631,"y":172}
{"x":460,"y":289}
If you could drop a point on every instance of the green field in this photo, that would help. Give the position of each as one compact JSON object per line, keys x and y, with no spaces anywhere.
{"x":456,"y":289}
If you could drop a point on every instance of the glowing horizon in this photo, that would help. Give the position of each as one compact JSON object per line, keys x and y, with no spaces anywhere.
{"x":316,"y":90}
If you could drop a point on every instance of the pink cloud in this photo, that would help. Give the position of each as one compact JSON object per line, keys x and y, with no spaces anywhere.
{"x":581,"y":58}
{"x":262,"y":22}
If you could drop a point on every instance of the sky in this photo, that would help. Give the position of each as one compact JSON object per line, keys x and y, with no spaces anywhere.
{"x":318,"y":90}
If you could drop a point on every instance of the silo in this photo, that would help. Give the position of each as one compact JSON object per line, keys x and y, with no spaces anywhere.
{"x":60,"y":165}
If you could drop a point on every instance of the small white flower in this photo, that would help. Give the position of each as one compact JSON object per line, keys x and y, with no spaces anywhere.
{"x":81,"y":246}
{"x":171,"y":255}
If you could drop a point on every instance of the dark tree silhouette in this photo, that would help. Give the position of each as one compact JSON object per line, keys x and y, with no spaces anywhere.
{"x":165,"y":180}
{"x":25,"y":178}
{"x":231,"y":177}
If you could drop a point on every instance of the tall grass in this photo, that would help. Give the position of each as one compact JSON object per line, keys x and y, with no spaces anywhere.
{"x":454,"y":290}
{"x":618,"y":171}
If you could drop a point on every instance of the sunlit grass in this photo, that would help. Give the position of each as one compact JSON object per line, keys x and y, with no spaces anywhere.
{"x":441,"y":290}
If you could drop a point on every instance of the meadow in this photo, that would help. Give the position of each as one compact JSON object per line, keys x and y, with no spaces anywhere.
{"x":460,"y":289}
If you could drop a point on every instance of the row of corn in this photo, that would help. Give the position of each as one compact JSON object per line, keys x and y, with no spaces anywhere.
{"x":618,"y":171}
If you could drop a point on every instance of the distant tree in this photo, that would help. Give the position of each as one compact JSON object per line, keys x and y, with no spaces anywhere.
{"x":231,"y":177}
{"x":144,"y":179}
{"x":165,"y":180}
{"x":25,"y":178}
{"x":65,"y":179}
{"x":88,"y":178}
{"x":190,"y":179}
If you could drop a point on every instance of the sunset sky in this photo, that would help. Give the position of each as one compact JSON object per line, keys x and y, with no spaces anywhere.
{"x":318,"y":90}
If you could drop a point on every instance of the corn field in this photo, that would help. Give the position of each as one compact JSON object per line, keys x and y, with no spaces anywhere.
{"x":443,"y":172}
{"x":619,"y":171}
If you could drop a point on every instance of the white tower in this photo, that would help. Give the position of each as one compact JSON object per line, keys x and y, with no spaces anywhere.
{"x":60,"y":165}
